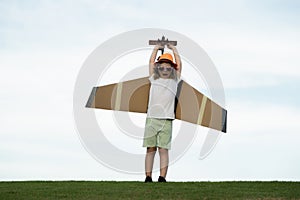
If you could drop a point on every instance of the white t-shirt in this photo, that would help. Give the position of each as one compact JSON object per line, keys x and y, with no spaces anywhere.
{"x":162,"y":98}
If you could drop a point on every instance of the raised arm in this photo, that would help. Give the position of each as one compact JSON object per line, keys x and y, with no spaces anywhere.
{"x":152,"y":59}
{"x":177,"y":59}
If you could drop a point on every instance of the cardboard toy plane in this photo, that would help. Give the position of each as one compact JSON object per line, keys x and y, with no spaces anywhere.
{"x":132,"y":96}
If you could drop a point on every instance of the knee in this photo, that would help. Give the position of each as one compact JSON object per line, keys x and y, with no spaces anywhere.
{"x":151,"y":149}
{"x":162,"y":150}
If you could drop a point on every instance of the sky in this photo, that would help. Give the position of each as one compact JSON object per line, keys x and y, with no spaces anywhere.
{"x":254,"y":45}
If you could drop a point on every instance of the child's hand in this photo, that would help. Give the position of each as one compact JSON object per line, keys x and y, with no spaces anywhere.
{"x":159,"y":46}
{"x":170,"y":46}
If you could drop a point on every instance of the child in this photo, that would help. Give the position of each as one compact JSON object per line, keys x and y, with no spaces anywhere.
{"x":164,"y":77}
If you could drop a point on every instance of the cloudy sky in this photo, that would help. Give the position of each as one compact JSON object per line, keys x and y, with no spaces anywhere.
{"x":254,"y":45}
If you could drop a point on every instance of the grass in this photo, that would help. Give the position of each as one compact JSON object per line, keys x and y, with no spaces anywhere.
{"x":139,"y":190}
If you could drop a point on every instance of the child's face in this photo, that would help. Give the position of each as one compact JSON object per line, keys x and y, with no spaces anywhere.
{"x":165,"y":70}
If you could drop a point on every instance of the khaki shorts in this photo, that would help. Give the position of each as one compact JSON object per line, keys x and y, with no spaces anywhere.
{"x":158,"y":133}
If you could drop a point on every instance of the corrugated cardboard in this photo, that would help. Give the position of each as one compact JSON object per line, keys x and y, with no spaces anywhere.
{"x":191,"y":105}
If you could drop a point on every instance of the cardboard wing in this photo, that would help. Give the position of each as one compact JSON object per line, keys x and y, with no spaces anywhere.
{"x":132,"y":96}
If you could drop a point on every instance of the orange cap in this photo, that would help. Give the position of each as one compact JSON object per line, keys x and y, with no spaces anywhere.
{"x":167,"y":58}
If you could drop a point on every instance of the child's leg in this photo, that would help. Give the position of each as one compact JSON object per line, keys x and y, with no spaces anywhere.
{"x":164,"y":161}
{"x":149,"y":160}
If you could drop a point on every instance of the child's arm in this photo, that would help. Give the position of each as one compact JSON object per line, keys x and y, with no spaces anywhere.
{"x":177,"y":59}
{"x":152,"y":59}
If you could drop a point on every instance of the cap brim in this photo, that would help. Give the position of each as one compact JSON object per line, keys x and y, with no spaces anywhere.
{"x":167,"y":61}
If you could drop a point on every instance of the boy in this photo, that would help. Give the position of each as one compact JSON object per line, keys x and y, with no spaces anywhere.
{"x":164,"y":77}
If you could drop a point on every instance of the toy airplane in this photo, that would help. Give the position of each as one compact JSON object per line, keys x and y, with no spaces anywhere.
{"x":132,"y":96}
{"x":163,"y":42}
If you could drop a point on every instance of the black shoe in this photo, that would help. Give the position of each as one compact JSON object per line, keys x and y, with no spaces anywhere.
{"x":148,"y":179}
{"x":161,"y":179}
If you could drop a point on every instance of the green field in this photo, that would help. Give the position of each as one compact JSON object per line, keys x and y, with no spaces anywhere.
{"x":140,"y":190}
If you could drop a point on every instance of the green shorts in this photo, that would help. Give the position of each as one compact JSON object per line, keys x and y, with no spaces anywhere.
{"x":158,"y":133}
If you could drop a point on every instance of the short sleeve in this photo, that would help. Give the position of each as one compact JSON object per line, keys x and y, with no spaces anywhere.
{"x":178,"y":79}
{"x":151,"y":78}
